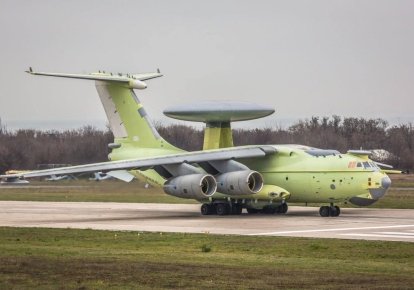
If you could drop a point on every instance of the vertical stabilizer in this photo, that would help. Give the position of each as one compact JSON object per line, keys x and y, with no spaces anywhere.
{"x":127,"y":117}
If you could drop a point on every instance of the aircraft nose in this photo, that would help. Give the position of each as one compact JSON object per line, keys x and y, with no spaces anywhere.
{"x":386,"y":182}
{"x":379,"y":192}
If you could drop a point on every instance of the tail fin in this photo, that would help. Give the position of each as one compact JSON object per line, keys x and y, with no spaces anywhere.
{"x":127,"y":117}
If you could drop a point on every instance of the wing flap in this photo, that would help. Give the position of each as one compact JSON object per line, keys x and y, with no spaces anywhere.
{"x":121,"y":174}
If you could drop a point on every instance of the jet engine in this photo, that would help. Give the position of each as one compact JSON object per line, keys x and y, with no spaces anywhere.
{"x":239,"y":182}
{"x":197,"y":186}
{"x":137,"y":84}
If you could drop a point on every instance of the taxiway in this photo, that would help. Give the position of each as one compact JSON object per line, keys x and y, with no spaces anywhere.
{"x":354,"y":223}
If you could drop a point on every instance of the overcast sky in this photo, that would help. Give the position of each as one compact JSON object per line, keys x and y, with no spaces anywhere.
{"x":304,"y":58}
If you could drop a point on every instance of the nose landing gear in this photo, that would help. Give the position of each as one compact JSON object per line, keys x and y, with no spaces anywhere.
{"x":332,"y":211}
{"x":282,"y":209}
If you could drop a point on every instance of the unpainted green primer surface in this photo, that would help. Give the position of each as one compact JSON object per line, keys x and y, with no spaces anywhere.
{"x":219,"y":136}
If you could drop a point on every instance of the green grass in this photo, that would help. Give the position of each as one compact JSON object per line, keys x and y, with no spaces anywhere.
{"x":88,"y":259}
{"x":402,"y":180}
{"x":83,"y":190}
{"x":403,"y":199}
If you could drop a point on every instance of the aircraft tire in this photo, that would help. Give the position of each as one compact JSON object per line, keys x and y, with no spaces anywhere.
{"x":207,"y":209}
{"x":222,"y":209}
{"x":236,"y":209}
{"x":283,"y":208}
{"x":324,"y":211}
{"x":333,"y":211}
{"x":252,"y":210}
{"x":269,"y":210}
{"x":338,"y":210}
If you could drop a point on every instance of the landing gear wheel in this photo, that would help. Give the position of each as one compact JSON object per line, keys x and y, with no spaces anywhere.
{"x":222,"y":209}
{"x":236,"y":209}
{"x":324,"y":211}
{"x":282,"y":209}
{"x":252,"y":210}
{"x":338,"y":210}
{"x":269,"y":209}
{"x":207,"y":209}
{"x":332,"y":211}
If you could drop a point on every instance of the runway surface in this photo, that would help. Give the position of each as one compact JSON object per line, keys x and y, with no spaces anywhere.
{"x":354,"y":223}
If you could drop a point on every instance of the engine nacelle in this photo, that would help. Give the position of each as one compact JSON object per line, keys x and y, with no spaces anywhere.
{"x":137,"y":84}
{"x":197,"y":186}
{"x":239,"y":182}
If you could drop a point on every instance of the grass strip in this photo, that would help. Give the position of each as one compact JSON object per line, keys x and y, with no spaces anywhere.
{"x":90,"y":259}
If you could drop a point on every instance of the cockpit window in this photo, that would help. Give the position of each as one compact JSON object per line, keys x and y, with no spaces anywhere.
{"x":359,"y":164}
{"x":373,"y":165}
{"x":367,"y":165}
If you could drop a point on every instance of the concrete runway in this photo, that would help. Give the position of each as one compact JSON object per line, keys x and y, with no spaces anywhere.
{"x":356,"y":223}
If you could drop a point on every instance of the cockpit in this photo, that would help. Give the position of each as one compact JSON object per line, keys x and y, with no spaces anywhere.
{"x":368,"y":165}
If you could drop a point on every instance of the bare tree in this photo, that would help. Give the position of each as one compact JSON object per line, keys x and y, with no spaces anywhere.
{"x":25,"y":149}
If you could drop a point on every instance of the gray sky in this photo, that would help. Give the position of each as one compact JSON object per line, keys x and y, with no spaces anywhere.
{"x":351,"y":58}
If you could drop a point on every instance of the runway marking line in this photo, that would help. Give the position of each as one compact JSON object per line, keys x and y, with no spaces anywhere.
{"x":330,"y":230}
{"x":396,"y":233}
{"x":378,"y":236}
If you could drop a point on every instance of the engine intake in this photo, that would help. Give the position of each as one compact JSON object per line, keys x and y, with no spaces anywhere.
{"x":197,"y":186}
{"x":242,"y":182}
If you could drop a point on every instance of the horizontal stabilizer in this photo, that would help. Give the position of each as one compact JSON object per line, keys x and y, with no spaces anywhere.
{"x":102,"y":76}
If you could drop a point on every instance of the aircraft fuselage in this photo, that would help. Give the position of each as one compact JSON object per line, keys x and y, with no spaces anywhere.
{"x":325,"y":177}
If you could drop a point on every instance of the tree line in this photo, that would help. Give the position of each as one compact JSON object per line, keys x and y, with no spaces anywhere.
{"x":26,"y":149}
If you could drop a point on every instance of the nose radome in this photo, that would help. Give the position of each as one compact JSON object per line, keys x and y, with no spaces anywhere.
{"x":386,"y":182}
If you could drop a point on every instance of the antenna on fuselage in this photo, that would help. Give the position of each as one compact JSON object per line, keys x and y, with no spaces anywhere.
{"x":218,"y":117}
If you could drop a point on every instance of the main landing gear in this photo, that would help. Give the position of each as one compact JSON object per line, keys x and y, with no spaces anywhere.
{"x":280,"y":209}
{"x":332,"y":211}
{"x":221,"y":209}
{"x":236,"y":209}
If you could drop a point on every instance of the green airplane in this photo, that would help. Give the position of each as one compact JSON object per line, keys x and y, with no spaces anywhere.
{"x":224,"y":178}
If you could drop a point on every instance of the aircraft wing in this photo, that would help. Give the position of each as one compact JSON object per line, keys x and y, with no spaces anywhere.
{"x":147,"y":163}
